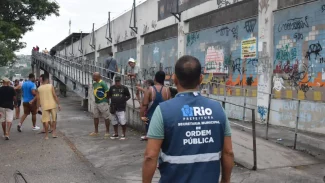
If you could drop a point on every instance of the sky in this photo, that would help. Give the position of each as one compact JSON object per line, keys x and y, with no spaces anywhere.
{"x":83,"y":13}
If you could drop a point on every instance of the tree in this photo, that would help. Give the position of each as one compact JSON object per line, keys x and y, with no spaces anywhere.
{"x":18,"y":17}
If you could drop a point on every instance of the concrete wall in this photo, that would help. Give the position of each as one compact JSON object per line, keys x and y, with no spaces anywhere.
{"x":311,"y":116}
{"x":284,"y":51}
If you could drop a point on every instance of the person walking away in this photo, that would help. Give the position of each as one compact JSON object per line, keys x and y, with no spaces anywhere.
{"x":101,"y":104}
{"x":111,"y":66}
{"x":192,"y":132}
{"x":30,"y":105}
{"x":48,"y":101}
{"x":133,"y":72}
{"x":39,"y":111}
{"x":18,"y":91}
{"x":119,"y":95}
{"x":7,"y":104}
{"x":152,"y":98}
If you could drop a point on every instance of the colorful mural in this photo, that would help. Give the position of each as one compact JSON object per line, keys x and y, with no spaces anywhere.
{"x":299,"y":63}
{"x":229,"y":55}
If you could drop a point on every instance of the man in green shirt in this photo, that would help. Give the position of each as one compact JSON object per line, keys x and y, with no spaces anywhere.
{"x":101,"y":103}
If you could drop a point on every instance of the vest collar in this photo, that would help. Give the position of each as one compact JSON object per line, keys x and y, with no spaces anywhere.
{"x":187,"y":93}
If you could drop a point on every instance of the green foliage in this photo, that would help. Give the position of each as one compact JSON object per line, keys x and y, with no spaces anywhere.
{"x":18,"y":17}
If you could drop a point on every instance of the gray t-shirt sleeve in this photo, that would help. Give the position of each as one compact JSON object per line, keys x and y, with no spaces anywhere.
{"x":136,"y":70}
{"x":156,"y":127}
{"x":227,"y":126}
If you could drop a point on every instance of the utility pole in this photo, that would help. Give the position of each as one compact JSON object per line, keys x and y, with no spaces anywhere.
{"x":69,"y":26}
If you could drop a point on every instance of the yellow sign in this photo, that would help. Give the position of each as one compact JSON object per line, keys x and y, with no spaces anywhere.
{"x":248,"y":48}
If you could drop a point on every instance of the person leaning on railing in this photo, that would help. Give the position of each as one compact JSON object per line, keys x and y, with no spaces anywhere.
{"x":133,"y":74}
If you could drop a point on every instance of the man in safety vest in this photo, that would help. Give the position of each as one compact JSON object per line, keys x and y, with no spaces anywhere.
{"x":192,"y":132}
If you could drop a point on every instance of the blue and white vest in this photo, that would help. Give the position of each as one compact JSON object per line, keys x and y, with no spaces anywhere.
{"x":194,"y":133}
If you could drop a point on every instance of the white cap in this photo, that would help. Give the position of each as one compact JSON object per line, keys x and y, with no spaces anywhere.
{"x":132,"y":60}
{"x":5,"y":79}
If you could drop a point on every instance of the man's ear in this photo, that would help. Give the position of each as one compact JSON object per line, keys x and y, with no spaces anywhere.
{"x":174,"y":78}
{"x":201,"y":78}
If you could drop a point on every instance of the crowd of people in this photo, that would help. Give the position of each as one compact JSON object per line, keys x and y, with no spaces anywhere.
{"x":37,"y":97}
{"x":187,"y":135}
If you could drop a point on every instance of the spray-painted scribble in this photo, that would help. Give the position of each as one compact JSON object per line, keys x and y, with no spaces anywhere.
{"x":250,"y":25}
{"x":222,"y":3}
{"x":154,"y":24}
{"x":298,"y":36}
{"x":145,"y":28}
{"x":294,"y":24}
{"x":314,"y":49}
{"x":262,"y":111}
{"x":225,"y":31}
{"x":264,"y":4}
{"x":192,"y":38}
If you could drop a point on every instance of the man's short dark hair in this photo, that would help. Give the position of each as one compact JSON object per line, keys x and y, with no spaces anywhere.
{"x":160,"y":77}
{"x":150,"y":82}
{"x":31,"y":76}
{"x":111,"y":54}
{"x":44,"y":77}
{"x":188,"y":72}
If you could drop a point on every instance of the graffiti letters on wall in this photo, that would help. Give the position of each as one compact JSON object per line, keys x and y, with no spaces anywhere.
{"x":159,"y":56}
{"x":299,"y":56}
{"x":228,"y":54}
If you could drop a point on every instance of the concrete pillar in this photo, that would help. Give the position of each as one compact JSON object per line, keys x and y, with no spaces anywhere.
{"x":33,"y":68}
{"x":265,"y":49}
{"x":38,"y":70}
{"x":140,"y":42}
{"x":183,"y":29}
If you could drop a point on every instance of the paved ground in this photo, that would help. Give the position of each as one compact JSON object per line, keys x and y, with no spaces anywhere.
{"x":76,"y":157}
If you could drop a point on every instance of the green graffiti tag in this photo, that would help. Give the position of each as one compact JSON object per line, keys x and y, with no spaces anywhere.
{"x":285,"y":54}
{"x":192,"y":38}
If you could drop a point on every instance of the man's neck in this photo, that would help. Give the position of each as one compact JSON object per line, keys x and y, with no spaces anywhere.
{"x":181,"y":89}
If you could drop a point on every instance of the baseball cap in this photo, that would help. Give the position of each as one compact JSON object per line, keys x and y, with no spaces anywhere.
{"x":5,"y":79}
{"x":132,"y":60}
{"x":117,"y":78}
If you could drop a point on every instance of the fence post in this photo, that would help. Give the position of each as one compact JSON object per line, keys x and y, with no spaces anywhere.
{"x":132,"y":92}
{"x":224,"y":93}
{"x":296,"y":129}
{"x":245,"y":99}
{"x":254,"y":140}
{"x":268,"y":118}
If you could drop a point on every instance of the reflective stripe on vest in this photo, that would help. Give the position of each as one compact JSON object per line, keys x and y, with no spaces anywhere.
{"x":187,"y":159}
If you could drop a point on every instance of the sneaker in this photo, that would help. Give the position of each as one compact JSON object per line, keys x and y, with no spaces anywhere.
{"x":144,"y":138}
{"x":19,"y":128}
{"x":106,"y":135}
{"x":123,"y":137}
{"x":93,"y":134}
{"x":115,"y":136}
{"x":36,"y":128}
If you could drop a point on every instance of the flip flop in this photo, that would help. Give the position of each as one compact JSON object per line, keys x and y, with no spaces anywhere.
{"x":55,"y":137}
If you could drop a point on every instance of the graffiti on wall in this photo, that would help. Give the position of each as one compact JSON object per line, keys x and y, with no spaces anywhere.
{"x":299,"y":54}
{"x":229,"y":56}
{"x":311,"y":115}
{"x":159,"y":56}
